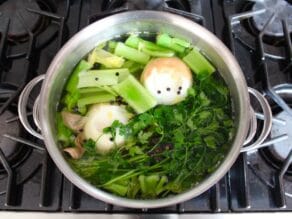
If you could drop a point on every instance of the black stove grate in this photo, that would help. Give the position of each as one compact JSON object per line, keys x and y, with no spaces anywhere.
{"x":42,"y":187}
{"x":248,"y":191}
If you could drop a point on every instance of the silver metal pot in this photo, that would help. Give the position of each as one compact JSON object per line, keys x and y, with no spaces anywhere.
{"x":142,"y":22}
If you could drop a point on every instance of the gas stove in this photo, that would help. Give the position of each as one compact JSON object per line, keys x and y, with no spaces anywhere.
{"x":258,"y":32}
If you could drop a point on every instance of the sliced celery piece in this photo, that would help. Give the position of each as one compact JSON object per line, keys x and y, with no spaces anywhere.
{"x":73,"y":80}
{"x":112,"y":46}
{"x":120,"y":73}
{"x":181,"y":42}
{"x":131,"y":54}
{"x":166,"y":41}
{"x":158,"y":53}
{"x":148,"y":47}
{"x":87,"y":90}
{"x":133,"y":41}
{"x":199,"y":64}
{"x":97,"y":78}
{"x":133,"y":67}
{"x":135,"y":94}
{"x":99,"y":97}
{"x":105,"y":58}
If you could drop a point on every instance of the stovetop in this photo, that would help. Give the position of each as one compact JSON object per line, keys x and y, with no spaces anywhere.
{"x":257,"y":32}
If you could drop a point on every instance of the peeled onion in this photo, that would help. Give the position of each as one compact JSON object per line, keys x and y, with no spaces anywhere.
{"x":167,"y":79}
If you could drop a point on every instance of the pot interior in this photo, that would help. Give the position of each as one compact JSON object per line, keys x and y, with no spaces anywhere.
{"x":145,"y":23}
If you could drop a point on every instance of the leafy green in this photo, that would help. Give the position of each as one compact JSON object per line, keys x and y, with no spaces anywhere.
{"x":168,"y":149}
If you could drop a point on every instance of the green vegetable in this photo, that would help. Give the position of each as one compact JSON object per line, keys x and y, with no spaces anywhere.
{"x":168,"y":148}
{"x":133,"y":67}
{"x":99,"y":97}
{"x":105,"y":58}
{"x":199,"y":64}
{"x":148,"y":47}
{"x":131,"y":54}
{"x":112,"y":46}
{"x":64,"y":134}
{"x":175,"y":44}
{"x":73,"y":80}
{"x":135,"y":94}
{"x":97,"y":78}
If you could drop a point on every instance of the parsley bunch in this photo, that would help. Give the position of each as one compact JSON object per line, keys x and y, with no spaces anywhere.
{"x":168,"y":149}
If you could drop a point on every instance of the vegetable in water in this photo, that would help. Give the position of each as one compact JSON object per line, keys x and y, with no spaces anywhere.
{"x":131,"y":53}
{"x":148,"y":47}
{"x":101,"y":116}
{"x":148,"y":127}
{"x":199,"y":64}
{"x":135,"y":95}
{"x":175,"y":44}
{"x":105,"y":58}
{"x":167,"y":79}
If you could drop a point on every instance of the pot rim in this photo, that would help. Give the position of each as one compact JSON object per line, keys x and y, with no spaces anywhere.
{"x":209,"y":181}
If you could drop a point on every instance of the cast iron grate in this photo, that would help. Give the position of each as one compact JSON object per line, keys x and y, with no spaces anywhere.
{"x":246,"y":195}
{"x":34,"y":184}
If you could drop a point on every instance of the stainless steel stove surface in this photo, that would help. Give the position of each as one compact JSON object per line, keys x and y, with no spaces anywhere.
{"x":257,"y":32}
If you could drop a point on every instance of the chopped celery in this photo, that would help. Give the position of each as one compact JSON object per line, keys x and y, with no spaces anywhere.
{"x":181,"y":42}
{"x":112,"y":46}
{"x":87,"y":90}
{"x":64,"y":133}
{"x":135,"y":94}
{"x":73,"y":80}
{"x":70,"y":100}
{"x":133,"y":41}
{"x":131,"y":54}
{"x":148,"y":47}
{"x":133,"y":67}
{"x":158,"y":53}
{"x":105,"y":58}
{"x":175,"y":44}
{"x":117,"y":189}
{"x":97,"y":78}
{"x":120,"y":73}
{"x":199,"y":64}
{"x":99,"y":97}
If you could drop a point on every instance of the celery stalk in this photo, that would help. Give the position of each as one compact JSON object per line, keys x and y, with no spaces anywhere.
{"x":87,"y":90}
{"x":133,"y":67}
{"x":148,"y":47}
{"x":73,"y":80}
{"x":131,"y":54}
{"x":133,"y":41}
{"x":105,"y":58}
{"x":171,"y":43}
{"x":158,"y":53}
{"x":112,"y":46}
{"x":97,"y":78}
{"x":135,"y":94}
{"x":99,"y":97}
{"x":199,"y":64}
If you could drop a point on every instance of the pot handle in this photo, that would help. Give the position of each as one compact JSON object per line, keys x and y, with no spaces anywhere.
{"x":22,"y":103}
{"x":267,"y":125}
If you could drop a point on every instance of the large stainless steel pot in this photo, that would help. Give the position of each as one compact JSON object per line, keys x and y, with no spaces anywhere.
{"x":143,"y":22}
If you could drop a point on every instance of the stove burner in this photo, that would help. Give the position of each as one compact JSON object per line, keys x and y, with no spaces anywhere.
{"x":282,"y":149}
{"x":248,"y":18}
{"x":281,"y":9}
{"x":21,"y":20}
{"x":14,"y":152}
{"x":276,"y":154}
{"x":146,"y":4}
